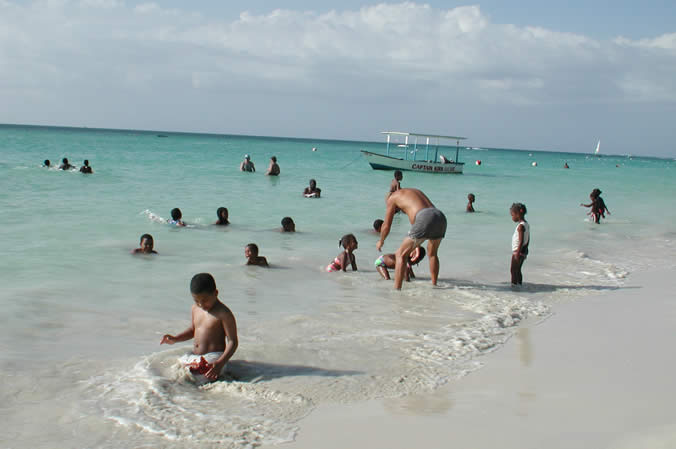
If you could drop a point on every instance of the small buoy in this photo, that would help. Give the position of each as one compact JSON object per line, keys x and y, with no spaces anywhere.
{"x":534,"y":164}
{"x":478,"y":161}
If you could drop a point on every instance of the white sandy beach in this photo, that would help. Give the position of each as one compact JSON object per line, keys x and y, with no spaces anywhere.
{"x":599,"y":373}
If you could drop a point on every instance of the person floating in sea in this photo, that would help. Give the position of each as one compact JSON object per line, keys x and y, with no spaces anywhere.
{"x":222,"y":214}
{"x":46,"y":163}
{"x":146,"y":245}
{"x":86,"y":169}
{"x":345,"y":258}
{"x":565,"y":165}
{"x":213,"y":328}
{"x":252,"y":257}
{"x":427,"y":223}
{"x":176,"y":217}
{"x":470,"y":204}
{"x":389,"y":261}
{"x":520,"y":242}
{"x":312,"y":191}
{"x":273,"y":169}
{"x":247,"y":165}
{"x":377,"y":224}
{"x":288,"y":225}
{"x":65,"y":165}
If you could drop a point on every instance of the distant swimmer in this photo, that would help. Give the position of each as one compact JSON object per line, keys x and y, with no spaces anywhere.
{"x":46,"y":163}
{"x":396,"y":182}
{"x":65,"y":165}
{"x":312,"y":191}
{"x":273,"y":169}
{"x":427,"y":223}
{"x":252,"y":257}
{"x":377,"y":224}
{"x":520,"y":242}
{"x":345,"y":258}
{"x":86,"y":169}
{"x":389,"y":261}
{"x":288,"y":225}
{"x":176,"y":217}
{"x":222,"y":214}
{"x":213,"y":327}
{"x":565,"y":165}
{"x":247,"y":165}
{"x":470,"y":202}
{"x":146,"y":245}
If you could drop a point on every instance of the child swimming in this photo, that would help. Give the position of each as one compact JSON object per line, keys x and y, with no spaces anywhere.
{"x":349,"y":243}
{"x":252,"y":257}
{"x":222,"y":214}
{"x":176,"y":217}
{"x":386,"y":261}
{"x":520,"y":241}
{"x":377,"y":224}
{"x":146,"y":245}
{"x":288,"y":225}
{"x":213,"y":328}
{"x":312,"y":191}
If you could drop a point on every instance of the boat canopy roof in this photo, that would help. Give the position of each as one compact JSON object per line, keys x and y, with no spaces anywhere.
{"x":401,"y":133}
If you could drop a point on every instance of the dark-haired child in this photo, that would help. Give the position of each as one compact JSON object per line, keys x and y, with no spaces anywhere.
{"x":86,"y":169}
{"x":222,"y":214}
{"x":212,"y":326}
{"x":252,"y":257}
{"x":377,"y":224}
{"x":520,"y":241}
{"x":146,"y":245}
{"x":176,"y":217}
{"x":46,"y":163}
{"x":389,"y":261}
{"x":312,"y":191}
{"x":65,"y":165}
{"x":470,"y":202}
{"x":349,"y":243}
{"x":288,"y":225}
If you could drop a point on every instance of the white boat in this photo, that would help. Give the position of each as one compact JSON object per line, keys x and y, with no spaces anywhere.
{"x":422,"y":158}
{"x":598,"y":147}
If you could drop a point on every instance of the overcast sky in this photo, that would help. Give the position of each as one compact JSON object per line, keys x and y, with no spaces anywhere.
{"x":532,"y":75}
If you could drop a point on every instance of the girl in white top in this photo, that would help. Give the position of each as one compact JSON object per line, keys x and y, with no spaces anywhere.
{"x":520,"y":242}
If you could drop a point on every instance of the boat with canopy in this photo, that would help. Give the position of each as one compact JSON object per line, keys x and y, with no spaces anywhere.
{"x":421,"y":153}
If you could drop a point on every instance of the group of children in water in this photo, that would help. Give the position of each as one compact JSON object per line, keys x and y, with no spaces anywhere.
{"x":65,"y":165}
{"x":213,"y":325}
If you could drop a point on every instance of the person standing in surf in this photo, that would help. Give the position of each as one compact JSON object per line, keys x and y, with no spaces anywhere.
{"x":427,"y":223}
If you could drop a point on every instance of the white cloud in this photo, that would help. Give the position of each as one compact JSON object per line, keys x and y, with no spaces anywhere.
{"x":54,"y":49}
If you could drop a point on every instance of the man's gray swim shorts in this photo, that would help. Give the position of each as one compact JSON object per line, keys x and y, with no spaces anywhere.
{"x":429,"y":224}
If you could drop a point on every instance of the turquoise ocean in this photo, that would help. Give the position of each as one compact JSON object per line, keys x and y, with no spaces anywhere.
{"x":80,"y":360}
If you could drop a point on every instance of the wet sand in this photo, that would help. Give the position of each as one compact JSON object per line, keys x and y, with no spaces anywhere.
{"x":599,"y":373}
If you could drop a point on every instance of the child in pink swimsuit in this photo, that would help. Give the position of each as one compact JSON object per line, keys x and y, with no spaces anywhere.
{"x":349,"y":243}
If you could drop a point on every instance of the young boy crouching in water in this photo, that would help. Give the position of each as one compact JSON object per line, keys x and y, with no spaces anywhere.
{"x":212,"y":326}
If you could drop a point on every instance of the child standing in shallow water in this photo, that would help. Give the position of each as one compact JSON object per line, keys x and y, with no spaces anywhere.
{"x":470,"y":202}
{"x":520,"y":242}
{"x":349,"y":243}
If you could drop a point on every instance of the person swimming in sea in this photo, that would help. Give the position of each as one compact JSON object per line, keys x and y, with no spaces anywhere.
{"x":386,"y":261}
{"x":65,"y":165}
{"x":377,"y":224}
{"x":470,"y":204}
{"x":176,"y":218}
{"x":86,"y":169}
{"x":252,"y":257}
{"x":288,"y":225}
{"x":146,"y":245}
{"x":222,"y":214}
{"x":345,"y":258}
{"x":312,"y":191}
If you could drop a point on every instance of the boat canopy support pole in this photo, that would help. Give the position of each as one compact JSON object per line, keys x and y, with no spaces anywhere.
{"x":427,"y":150}
{"x":457,"y":150}
{"x":388,"y":144}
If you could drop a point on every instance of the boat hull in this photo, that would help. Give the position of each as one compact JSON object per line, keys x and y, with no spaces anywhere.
{"x":382,"y":162}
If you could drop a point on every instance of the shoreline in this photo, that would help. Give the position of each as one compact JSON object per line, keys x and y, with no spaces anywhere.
{"x":597,"y":373}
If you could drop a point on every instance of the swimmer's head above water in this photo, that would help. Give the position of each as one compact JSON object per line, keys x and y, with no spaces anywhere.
{"x":288,"y":225}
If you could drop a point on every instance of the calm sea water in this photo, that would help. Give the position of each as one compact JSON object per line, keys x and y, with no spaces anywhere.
{"x":81,"y":318}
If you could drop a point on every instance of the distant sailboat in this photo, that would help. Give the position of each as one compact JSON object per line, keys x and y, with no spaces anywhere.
{"x":598,"y":147}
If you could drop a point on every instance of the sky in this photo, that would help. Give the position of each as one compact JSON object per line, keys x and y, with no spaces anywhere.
{"x":530,"y":74}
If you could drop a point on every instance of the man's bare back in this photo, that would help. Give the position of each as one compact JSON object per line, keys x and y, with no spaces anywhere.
{"x":411,"y":201}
